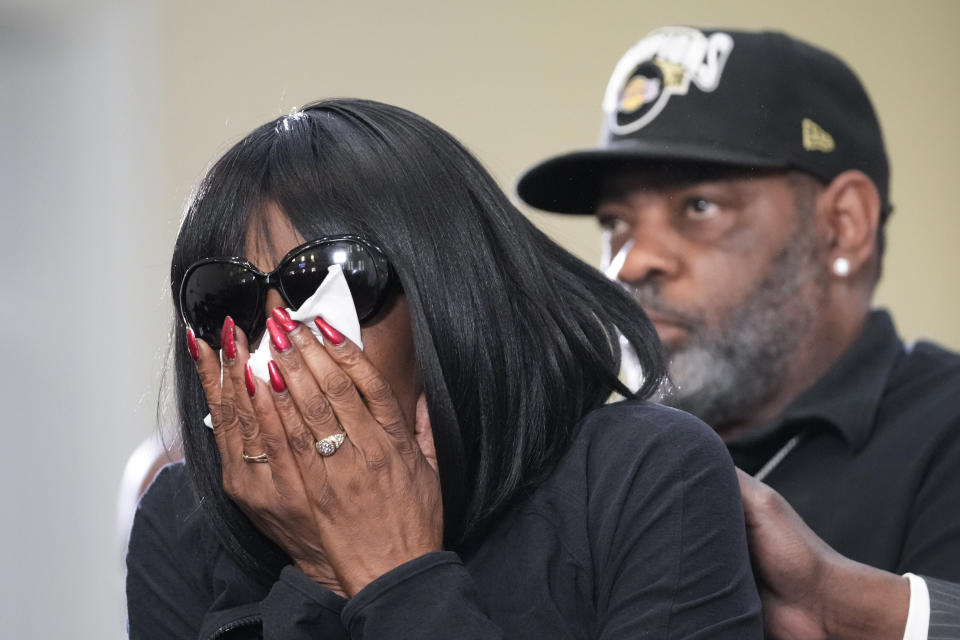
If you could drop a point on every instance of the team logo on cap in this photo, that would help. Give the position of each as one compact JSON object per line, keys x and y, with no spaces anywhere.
{"x":662,"y":65}
{"x":815,"y":137}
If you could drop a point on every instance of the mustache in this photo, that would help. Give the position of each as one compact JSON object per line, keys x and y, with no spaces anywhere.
{"x":653,"y":304}
{"x":647,"y":294}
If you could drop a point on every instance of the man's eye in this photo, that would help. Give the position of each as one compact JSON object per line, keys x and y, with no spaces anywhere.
{"x":701,"y":208}
{"x":614,"y":225}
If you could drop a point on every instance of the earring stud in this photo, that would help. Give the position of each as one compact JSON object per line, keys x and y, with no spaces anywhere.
{"x":841,"y":267}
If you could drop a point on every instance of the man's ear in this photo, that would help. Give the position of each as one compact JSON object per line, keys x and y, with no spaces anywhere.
{"x":850,"y":208}
{"x":424,"y":433}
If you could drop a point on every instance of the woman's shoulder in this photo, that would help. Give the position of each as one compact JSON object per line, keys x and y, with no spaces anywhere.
{"x":171,"y":551}
{"x":633,"y":429}
{"x":170,"y":489}
{"x":662,"y":519}
{"x":629,"y":448}
{"x":168,"y":510}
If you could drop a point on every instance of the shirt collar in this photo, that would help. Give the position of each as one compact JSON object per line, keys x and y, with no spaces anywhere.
{"x":848,"y":395}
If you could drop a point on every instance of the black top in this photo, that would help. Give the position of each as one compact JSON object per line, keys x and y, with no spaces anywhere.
{"x":876,"y":472}
{"x":637,"y":534}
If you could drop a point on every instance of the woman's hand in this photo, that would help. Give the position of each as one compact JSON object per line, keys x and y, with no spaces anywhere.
{"x":345,"y":519}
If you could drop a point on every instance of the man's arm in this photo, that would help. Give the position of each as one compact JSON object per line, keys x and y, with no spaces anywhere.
{"x":808,"y":590}
{"x":944,"y":609}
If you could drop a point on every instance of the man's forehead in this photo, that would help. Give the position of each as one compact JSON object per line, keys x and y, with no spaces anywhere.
{"x":621,"y":181}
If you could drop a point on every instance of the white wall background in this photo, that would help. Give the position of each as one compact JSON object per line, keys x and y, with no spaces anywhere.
{"x":81,"y":209}
{"x":111,"y":110}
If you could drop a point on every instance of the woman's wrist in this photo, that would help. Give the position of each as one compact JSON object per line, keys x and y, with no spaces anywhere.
{"x":324,"y":576}
{"x":357,"y":574}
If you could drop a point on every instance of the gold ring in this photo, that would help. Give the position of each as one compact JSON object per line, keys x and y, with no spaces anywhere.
{"x":260,"y":458}
{"x":329,"y":445}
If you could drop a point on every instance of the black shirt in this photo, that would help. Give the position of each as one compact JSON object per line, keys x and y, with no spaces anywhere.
{"x":638,"y":533}
{"x":876,"y":471}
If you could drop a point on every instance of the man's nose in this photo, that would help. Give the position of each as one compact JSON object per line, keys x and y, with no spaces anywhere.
{"x":650,"y":254}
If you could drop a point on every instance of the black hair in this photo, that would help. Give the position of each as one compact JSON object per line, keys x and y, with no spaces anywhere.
{"x":516,"y":339}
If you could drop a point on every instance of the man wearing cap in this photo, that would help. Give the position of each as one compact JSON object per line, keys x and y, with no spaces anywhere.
{"x":742,"y":187}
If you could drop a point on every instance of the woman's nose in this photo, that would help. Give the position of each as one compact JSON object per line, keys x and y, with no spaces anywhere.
{"x":274,"y":299}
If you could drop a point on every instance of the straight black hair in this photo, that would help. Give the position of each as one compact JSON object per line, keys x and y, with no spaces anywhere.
{"x":517,"y":339}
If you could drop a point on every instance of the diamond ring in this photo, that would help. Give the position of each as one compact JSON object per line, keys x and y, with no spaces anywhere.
{"x":329,"y":445}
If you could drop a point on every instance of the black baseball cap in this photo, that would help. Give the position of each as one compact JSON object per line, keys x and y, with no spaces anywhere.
{"x":745,"y":99}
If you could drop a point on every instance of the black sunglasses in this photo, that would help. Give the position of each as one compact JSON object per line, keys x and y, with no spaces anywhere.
{"x":215,"y":288}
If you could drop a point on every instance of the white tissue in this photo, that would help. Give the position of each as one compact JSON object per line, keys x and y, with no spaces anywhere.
{"x":611,"y":266}
{"x":630,"y":370}
{"x":331,"y":301}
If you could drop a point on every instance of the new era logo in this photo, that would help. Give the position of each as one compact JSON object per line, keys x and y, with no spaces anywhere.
{"x":815,"y":138}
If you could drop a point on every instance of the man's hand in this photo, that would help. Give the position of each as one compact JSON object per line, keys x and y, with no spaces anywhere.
{"x":808,"y":590}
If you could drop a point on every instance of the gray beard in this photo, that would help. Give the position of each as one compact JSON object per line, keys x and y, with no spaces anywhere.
{"x":725,"y":373}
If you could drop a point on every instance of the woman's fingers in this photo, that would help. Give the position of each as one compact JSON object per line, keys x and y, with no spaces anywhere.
{"x":267,"y":401}
{"x":340,"y":392}
{"x":378,"y":397}
{"x":305,"y":412}
{"x":241,"y":385}
{"x":230,"y":430}
{"x":208,"y":368}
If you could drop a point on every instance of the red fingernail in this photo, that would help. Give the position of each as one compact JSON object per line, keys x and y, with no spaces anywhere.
{"x":228,"y":339}
{"x":276,"y":378}
{"x":248,"y":378}
{"x":329,"y":332}
{"x":278,"y":337}
{"x":282,"y":318}
{"x":192,"y":345}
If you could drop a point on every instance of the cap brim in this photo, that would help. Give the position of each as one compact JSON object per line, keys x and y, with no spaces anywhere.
{"x":571,"y":182}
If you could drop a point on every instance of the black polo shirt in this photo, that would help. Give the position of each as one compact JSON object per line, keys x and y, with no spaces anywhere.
{"x":876,"y":470}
